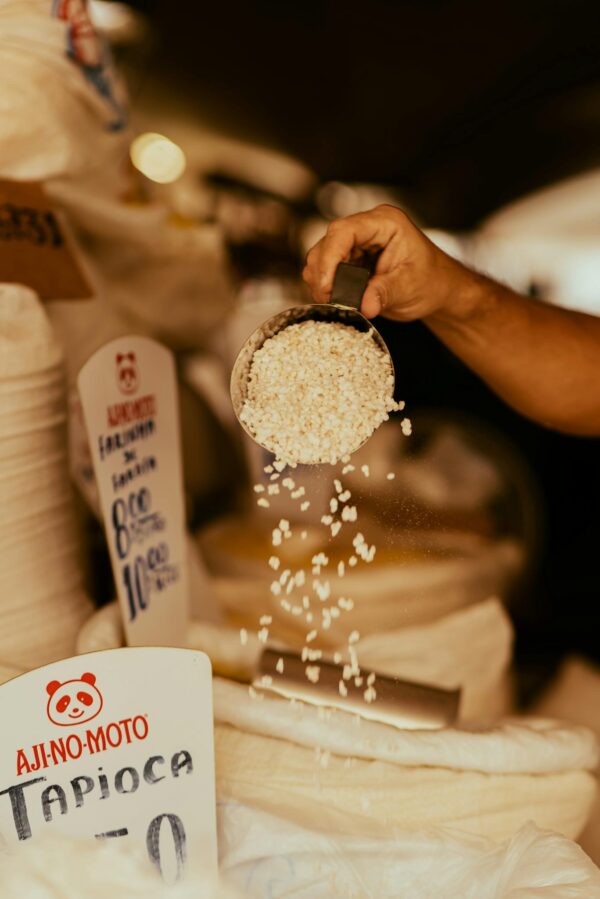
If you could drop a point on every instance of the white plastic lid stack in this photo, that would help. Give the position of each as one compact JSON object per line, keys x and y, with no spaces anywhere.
{"x":42,"y":600}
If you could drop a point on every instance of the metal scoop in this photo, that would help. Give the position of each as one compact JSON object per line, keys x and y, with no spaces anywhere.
{"x":403,"y":704}
{"x":348,"y":289}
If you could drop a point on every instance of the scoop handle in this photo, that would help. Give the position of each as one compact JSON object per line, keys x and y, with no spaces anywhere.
{"x":349,"y":285}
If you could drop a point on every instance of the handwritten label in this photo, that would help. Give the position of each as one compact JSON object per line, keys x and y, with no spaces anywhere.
{"x":113,"y":744}
{"x":128,"y":395}
{"x":34,"y":247}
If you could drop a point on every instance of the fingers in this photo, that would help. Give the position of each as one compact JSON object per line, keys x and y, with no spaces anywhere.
{"x":346,"y":240}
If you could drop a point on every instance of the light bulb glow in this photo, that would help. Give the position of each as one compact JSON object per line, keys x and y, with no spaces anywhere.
{"x":157,"y":157}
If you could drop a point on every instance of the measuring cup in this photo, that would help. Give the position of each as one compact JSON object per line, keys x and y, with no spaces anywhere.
{"x":348,"y":288}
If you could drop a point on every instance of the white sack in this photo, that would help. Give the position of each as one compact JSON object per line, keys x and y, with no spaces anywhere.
{"x":61,"y":867}
{"x":332,"y":772}
{"x":265,"y":856}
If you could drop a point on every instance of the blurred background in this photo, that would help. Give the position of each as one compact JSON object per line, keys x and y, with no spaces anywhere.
{"x":290,"y":114}
{"x":195,"y":152}
{"x":198,"y":151}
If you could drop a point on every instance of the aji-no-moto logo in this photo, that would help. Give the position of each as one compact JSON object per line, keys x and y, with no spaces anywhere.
{"x":128,"y":378}
{"x":70,"y":703}
{"x":73,"y":701}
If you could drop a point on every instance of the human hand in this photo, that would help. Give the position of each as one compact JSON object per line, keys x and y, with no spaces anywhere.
{"x":413,"y":278}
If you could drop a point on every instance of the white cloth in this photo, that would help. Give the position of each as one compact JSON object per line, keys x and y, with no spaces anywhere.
{"x":470,"y":649}
{"x":266,"y":856}
{"x":337,"y":773}
{"x":574,"y":695}
{"x":513,"y":746}
{"x":60,"y":867}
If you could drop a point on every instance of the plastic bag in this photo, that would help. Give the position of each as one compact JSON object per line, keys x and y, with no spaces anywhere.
{"x":264,"y":856}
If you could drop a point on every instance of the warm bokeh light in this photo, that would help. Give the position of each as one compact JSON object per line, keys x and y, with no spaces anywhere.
{"x":157,"y":157}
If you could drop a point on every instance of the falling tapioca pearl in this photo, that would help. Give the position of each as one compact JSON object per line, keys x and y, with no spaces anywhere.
{"x":312,"y":673}
{"x":370,"y":694}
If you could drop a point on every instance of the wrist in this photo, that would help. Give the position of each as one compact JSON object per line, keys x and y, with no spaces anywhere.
{"x":466,"y":298}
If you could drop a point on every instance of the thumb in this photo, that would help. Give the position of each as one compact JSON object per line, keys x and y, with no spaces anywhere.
{"x":378,"y":296}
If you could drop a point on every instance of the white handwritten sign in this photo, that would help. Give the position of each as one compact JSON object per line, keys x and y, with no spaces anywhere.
{"x":128,"y":394}
{"x":114,"y":744}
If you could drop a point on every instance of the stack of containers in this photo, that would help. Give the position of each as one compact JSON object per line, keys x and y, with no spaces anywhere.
{"x":42,"y":599}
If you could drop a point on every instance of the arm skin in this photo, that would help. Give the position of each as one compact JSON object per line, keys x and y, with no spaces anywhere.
{"x":542,"y":360}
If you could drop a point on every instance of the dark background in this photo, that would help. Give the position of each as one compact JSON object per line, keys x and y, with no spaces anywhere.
{"x":461,"y":106}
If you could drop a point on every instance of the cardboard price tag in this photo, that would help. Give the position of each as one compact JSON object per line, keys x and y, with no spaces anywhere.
{"x":34,"y":247}
{"x":114,"y":744}
{"x":128,"y":393}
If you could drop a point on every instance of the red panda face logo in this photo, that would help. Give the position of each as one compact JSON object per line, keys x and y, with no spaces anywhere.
{"x":73,"y":701}
{"x":127,"y":372}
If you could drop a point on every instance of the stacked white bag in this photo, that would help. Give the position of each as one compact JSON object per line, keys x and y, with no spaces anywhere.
{"x":42,"y":600}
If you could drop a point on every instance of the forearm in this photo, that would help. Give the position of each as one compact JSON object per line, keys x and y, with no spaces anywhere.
{"x":542,"y":360}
